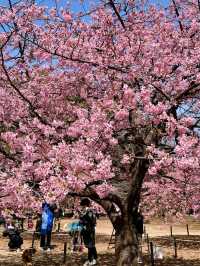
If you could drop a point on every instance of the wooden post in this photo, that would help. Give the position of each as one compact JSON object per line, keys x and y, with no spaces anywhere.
{"x":33,"y":240}
{"x":140,"y":240}
{"x":152,"y":255}
{"x":22,"y":224}
{"x":148,"y":243}
{"x":112,"y":238}
{"x":175,"y":247}
{"x":187,"y":226}
{"x":58,"y":227}
{"x":144,"y":230}
{"x":65,"y":252}
{"x":171,"y":232}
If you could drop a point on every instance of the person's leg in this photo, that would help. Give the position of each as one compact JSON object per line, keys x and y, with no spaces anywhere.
{"x":90,"y":254}
{"x":80,"y":242}
{"x":49,"y":239}
{"x":94,"y":253}
{"x":86,"y":239}
{"x":14,"y":242}
{"x":10,"y":245}
{"x":75,"y":242}
{"x":19,"y":242}
{"x":42,"y":240}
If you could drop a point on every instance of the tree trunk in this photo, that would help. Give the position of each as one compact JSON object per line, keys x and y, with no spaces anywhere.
{"x":126,"y":246}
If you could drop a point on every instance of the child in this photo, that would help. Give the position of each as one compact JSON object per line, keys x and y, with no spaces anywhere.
{"x":74,"y":229}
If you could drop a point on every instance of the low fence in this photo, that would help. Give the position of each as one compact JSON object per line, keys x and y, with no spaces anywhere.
{"x":174,"y":244}
{"x":63,"y":252}
{"x":171,"y":247}
{"x":66,"y":241}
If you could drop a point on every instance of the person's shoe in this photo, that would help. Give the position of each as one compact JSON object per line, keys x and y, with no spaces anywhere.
{"x":48,"y":250}
{"x":93,"y":262}
{"x":41,"y":249}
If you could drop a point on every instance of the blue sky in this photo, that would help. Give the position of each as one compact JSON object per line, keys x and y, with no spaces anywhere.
{"x":76,"y":6}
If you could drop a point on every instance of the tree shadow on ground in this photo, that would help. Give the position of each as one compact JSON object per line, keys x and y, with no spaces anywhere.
{"x":56,"y":259}
{"x":107,"y":259}
{"x":174,"y":262}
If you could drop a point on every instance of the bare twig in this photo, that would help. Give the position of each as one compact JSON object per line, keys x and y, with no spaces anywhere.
{"x":112,"y":4}
{"x":26,"y":100}
{"x":7,"y":40}
{"x":177,"y":14}
{"x":199,"y":4}
{"x":78,"y":60}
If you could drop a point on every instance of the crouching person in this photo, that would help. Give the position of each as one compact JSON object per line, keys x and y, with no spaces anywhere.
{"x":15,"y":239}
{"x":88,"y":223}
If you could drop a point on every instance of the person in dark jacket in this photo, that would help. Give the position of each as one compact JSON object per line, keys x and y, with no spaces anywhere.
{"x":88,"y":223}
{"x":15,"y":239}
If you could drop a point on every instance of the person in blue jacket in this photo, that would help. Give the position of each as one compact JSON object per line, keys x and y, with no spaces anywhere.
{"x":46,"y":226}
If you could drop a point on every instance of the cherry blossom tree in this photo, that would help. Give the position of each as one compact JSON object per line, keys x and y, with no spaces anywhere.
{"x":105,"y":107}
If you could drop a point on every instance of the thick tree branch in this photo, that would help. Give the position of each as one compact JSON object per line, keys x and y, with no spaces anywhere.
{"x":106,"y":203}
{"x":133,"y":197}
{"x":114,"y":198}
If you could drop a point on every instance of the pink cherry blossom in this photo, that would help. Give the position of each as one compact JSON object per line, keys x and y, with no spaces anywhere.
{"x":99,"y":107}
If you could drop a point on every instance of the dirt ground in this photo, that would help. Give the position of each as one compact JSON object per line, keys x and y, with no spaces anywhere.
{"x":187,"y":251}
